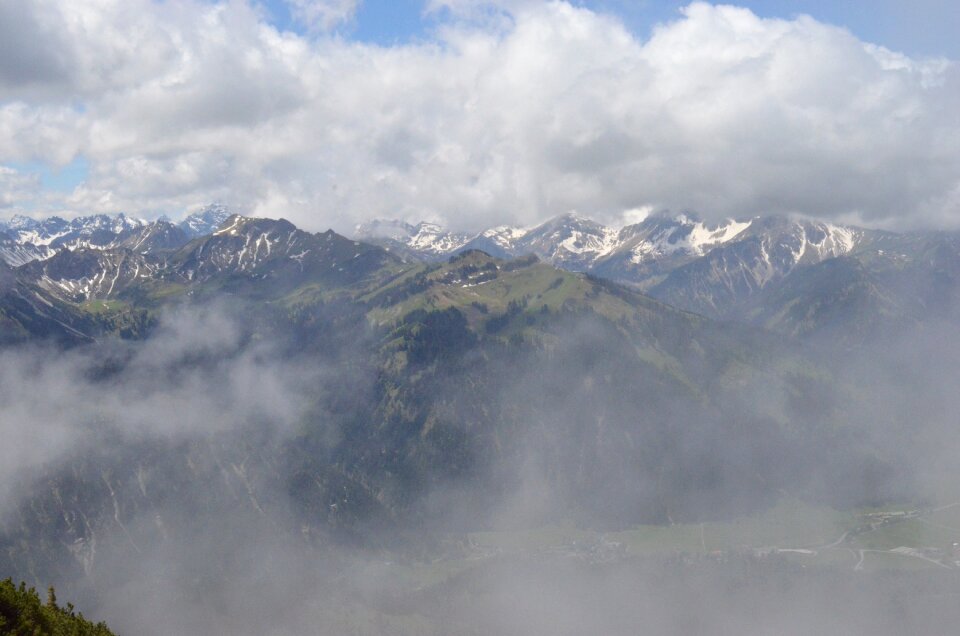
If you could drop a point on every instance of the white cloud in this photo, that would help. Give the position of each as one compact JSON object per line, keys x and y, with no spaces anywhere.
{"x":323,"y":15}
{"x":15,"y":186}
{"x":558,"y":108}
{"x":478,"y":8}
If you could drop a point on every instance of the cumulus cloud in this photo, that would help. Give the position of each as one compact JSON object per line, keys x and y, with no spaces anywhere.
{"x":548,"y":108}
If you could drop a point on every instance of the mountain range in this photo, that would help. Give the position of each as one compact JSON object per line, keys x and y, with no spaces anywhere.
{"x":821,"y":281}
{"x":23,"y":239}
{"x":798,"y":277}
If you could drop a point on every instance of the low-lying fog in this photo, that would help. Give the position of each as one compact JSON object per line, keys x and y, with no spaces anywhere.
{"x":161,"y":486}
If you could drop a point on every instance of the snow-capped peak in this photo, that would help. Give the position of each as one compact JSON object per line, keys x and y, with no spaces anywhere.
{"x":21,"y":222}
{"x":566,"y":240}
{"x":430,"y":237}
{"x":424,"y":237}
{"x":32,"y":239}
{"x":505,"y":235}
{"x":658,"y":236}
{"x":206,"y":220}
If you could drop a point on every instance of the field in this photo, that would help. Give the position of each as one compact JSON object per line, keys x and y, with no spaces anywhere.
{"x":894,"y":537}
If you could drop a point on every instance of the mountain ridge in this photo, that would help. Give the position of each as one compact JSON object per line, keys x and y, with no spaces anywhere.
{"x":748,"y":271}
{"x":24,"y":239}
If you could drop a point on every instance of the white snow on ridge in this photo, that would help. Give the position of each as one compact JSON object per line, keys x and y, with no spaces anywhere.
{"x":843,"y":236}
{"x":430,"y":237}
{"x":701,"y":236}
{"x":423,"y":237}
{"x":505,"y":235}
{"x":16,"y":254}
{"x":585,"y":243}
{"x":35,"y":238}
{"x":834,"y":240}
{"x":698,"y":240}
{"x":31,"y":239}
{"x":567,"y":237}
{"x":231,"y":230}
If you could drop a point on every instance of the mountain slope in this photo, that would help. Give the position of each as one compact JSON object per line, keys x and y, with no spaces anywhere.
{"x":86,"y":274}
{"x":82,"y":293}
{"x":837,"y":301}
{"x":156,"y":237}
{"x":275,"y":256}
{"x":774,"y":272}
{"x":729,"y":275}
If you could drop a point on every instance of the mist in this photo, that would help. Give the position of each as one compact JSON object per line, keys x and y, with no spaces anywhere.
{"x":226,"y":477}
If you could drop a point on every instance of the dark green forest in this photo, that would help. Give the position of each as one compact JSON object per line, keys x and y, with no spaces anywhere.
{"x":22,"y":613}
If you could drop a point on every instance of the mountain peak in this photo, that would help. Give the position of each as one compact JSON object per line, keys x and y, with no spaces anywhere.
{"x":236,"y":224}
{"x":206,"y":220}
{"x":21,"y":222}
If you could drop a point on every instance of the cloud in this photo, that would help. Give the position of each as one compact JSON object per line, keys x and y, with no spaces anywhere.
{"x":548,"y":108}
{"x":15,"y":186}
{"x":484,"y":10}
{"x":23,"y":65}
{"x":323,"y":15}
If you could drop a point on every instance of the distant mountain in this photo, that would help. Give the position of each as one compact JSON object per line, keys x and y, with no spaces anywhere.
{"x":205,"y":221}
{"x":568,"y":241}
{"x":774,"y":272}
{"x":424,"y":240}
{"x":744,"y":270}
{"x":159,"y":236}
{"x":888,"y":283}
{"x":82,"y":293}
{"x":13,"y":252}
{"x":83,"y":274}
{"x":274,"y":250}
{"x":23,"y":239}
{"x":96,"y":230}
{"x":640,"y":254}
{"x":838,"y":300}
{"x":724,"y":276}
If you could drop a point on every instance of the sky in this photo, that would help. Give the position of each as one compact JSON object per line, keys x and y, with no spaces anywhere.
{"x":474,"y":113}
{"x":925,"y":27}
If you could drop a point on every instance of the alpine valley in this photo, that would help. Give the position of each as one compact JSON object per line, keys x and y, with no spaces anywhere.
{"x":438,"y":400}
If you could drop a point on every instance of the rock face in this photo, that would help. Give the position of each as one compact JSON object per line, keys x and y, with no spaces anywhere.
{"x":205,"y":221}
